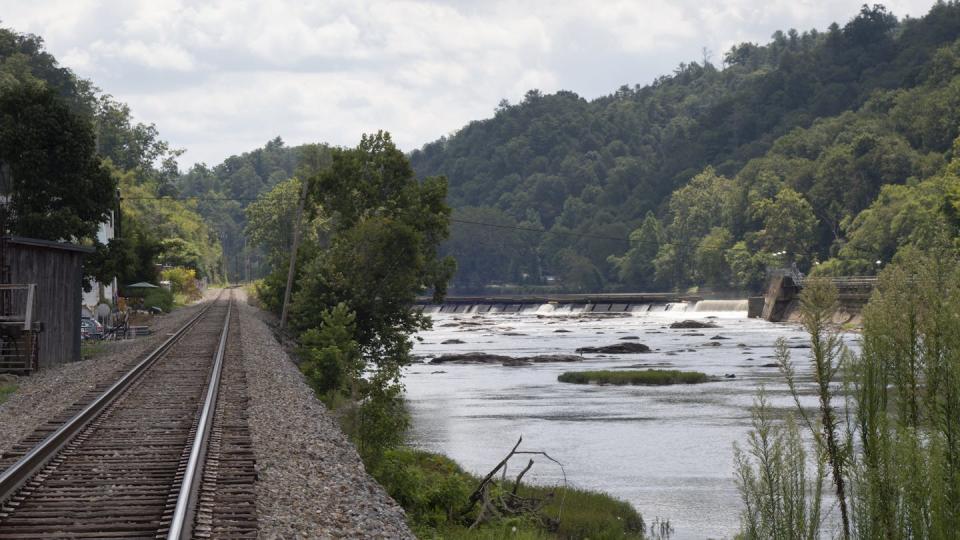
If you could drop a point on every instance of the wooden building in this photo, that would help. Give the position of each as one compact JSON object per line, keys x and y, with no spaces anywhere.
{"x":56,"y":268}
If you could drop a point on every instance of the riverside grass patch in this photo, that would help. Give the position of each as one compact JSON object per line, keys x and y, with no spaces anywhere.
{"x":433,"y":490}
{"x":647,"y":377}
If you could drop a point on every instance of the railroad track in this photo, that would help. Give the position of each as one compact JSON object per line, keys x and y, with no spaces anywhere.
{"x":164,"y":452}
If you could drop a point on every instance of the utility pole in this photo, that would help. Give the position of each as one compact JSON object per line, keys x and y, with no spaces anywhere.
{"x":293,"y":253}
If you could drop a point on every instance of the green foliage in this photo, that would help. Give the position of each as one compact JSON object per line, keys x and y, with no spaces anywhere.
{"x":255,"y":238}
{"x":353,"y":300}
{"x":158,"y":298}
{"x":636,"y":268}
{"x":183,"y":281}
{"x":171,"y":230}
{"x":387,"y":228}
{"x":381,"y":421}
{"x":906,"y":391}
{"x":6,"y":390}
{"x":269,"y":222}
{"x":710,"y":258}
{"x":433,"y":491}
{"x":788,"y":224}
{"x":656,"y":377}
{"x":330,"y":358}
{"x":58,"y":188}
{"x":747,"y":269}
{"x":578,"y":273}
{"x":91,"y":348}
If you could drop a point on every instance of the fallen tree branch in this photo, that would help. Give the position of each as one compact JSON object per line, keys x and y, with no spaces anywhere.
{"x":477,"y":493}
{"x":516,"y":485}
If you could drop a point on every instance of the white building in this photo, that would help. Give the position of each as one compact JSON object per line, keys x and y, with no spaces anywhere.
{"x":102,"y":292}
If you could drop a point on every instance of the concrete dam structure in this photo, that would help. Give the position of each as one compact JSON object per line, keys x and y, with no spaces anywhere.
{"x":781,"y":302}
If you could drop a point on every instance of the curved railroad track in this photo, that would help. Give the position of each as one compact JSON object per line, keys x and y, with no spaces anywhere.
{"x":163,"y":452}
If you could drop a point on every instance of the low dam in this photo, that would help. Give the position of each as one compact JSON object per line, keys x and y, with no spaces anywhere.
{"x":780,"y":301}
{"x":582,"y":303}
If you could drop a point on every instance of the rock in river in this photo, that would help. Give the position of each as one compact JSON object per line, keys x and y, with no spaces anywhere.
{"x":619,"y":348}
{"x":693,"y":324}
{"x":452,"y":342}
{"x":484,"y":358}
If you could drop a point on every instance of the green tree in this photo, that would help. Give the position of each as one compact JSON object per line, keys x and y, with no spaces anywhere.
{"x":635,"y":268}
{"x":57,"y":186}
{"x":710,"y":258}
{"x":748,"y":268}
{"x":788,"y":225}
{"x":386,"y":228}
{"x":330,"y":358}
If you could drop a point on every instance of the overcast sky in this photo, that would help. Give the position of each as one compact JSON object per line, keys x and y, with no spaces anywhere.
{"x":223,"y":77}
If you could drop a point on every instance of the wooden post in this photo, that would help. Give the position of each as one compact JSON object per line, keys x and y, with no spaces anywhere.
{"x":293,"y":253}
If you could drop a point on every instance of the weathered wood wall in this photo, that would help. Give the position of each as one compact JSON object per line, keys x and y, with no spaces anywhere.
{"x":57,"y":269}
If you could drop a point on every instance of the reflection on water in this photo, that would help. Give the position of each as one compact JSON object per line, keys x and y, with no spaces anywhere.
{"x":667,"y":450}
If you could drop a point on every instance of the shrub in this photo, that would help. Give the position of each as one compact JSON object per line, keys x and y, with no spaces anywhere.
{"x":330,"y":358}
{"x":160,"y":298}
{"x":182,"y":281}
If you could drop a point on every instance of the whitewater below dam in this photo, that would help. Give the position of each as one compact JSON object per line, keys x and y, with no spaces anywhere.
{"x":668,"y":450}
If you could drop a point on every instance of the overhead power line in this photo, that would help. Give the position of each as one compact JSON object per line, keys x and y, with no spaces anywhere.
{"x":572,"y":234}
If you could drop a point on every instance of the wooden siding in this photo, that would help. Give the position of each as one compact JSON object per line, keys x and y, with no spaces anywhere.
{"x":57,"y":269}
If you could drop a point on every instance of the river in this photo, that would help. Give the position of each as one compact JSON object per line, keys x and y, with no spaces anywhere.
{"x":667,"y":450}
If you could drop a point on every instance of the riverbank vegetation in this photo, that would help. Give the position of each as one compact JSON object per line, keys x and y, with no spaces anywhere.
{"x":650,"y":377}
{"x":884,"y":434}
{"x":435,"y":492}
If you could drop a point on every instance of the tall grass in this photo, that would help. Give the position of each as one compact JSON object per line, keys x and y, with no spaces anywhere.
{"x":654,"y":377}
{"x":781,"y":500}
{"x":905,"y":387}
{"x":893,"y":450}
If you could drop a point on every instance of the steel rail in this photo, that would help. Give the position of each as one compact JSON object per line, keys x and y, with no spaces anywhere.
{"x":184,"y":514}
{"x":18,"y":474}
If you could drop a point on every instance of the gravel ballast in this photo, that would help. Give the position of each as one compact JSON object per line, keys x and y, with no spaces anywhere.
{"x":310,"y":480}
{"x":47,"y":393}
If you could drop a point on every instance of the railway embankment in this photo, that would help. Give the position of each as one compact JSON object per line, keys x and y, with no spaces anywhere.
{"x":311,"y":482}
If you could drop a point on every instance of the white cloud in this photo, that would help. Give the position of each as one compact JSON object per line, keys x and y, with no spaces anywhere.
{"x":219,"y":77}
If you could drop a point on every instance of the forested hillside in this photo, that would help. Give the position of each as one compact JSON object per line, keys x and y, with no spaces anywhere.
{"x":224,"y":191}
{"x":65,"y":114}
{"x":819,"y":147}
